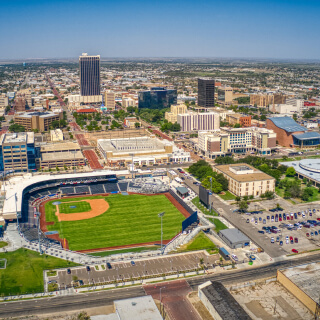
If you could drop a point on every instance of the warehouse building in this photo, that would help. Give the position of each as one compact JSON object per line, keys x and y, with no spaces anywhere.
{"x":220,"y":303}
{"x":234,"y":238}
{"x":303,"y":282}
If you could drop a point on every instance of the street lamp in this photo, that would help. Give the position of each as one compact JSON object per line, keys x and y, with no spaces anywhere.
{"x":160,"y":215}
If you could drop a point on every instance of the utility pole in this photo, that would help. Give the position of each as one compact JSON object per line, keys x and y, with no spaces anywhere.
{"x":160,"y":215}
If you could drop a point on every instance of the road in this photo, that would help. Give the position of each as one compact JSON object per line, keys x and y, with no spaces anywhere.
{"x":102,"y":298}
{"x":239,"y":221}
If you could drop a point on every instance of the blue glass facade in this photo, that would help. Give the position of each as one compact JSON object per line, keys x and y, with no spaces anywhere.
{"x":157,"y":98}
{"x":89,"y":75}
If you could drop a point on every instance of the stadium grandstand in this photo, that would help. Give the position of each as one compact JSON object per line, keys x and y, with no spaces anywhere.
{"x":24,"y":194}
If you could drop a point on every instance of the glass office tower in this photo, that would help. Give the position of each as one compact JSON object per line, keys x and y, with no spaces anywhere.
{"x":89,"y":75}
{"x":206,"y":92}
{"x":157,"y":98}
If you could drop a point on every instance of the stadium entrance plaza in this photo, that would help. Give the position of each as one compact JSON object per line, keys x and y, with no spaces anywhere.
{"x":153,"y":267}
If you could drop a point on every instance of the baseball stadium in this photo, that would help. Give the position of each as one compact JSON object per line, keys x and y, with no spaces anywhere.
{"x":94,"y":211}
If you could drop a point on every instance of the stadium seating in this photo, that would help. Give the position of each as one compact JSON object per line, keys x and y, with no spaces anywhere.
{"x":111,"y":187}
{"x":123,"y":186}
{"x":82,"y":189}
{"x":97,"y":188}
{"x":67,"y":190}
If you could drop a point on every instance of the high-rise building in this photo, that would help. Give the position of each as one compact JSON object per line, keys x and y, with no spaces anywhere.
{"x":175,"y":110}
{"x":18,"y":151}
{"x":157,"y":98}
{"x":109,"y":100}
{"x":206,"y":92}
{"x":90,"y":77}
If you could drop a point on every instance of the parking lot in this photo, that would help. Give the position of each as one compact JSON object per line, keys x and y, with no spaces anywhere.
{"x":290,"y":232}
{"x":126,"y":271}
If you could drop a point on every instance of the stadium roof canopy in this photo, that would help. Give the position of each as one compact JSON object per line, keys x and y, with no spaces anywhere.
{"x":287,"y":124}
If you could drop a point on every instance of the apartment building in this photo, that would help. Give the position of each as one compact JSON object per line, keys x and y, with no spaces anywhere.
{"x":192,"y":121}
{"x":225,"y":95}
{"x":18,"y":152}
{"x":4,"y":101}
{"x":245,"y":180}
{"x":264,"y":100}
{"x":109,"y":100}
{"x":236,"y":141}
{"x":128,"y":102}
{"x":236,"y":118}
{"x":37,"y":120}
{"x":175,"y":109}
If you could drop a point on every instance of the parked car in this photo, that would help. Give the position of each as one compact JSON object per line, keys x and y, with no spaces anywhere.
{"x":295,"y":251}
{"x":316,"y":233}
{"x":252,"y":257}
{"x":278,"y":239}
{"x":272,"y":239}
{"x":281,"y":243}
{"x":248,"y":220}
{"x":109,"y":266}
{"x":88,"y":268}
{"x":307,"y":234}
{"x":261,"y":231}
{"x":295,"y":240}
{"x":68,"y":271}
{"x":234,"y":257}
{"x":133,"y":263}
{"x":312,"y":234}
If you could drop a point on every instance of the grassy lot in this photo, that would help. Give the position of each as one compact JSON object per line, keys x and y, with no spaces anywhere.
{"x":218,"y":224}
{"x":2,"y":263}
{"x":3,"y":244}
{"x":135,"y":250}
{"x":130,"y":219}
{"x":200,"y":242}
{"x":80,"y":206}
{"x":201,"y":207}
{"x":24,"y":271}
{"x":227,"y":196}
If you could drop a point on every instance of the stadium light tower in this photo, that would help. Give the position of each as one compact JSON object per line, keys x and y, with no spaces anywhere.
{"x":132,"y":155}
{"x":160,"y":215}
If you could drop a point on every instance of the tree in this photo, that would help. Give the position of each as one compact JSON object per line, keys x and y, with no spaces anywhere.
{"x":243,"y":205}
{"x":137,"y":125}
{"x":17,"y":128}
{"x":306,"y":194}
{"x":290,"y":172}
{"x":216,"y":186}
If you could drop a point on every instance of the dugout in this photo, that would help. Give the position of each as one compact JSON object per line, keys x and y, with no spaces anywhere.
{"x":224,"y":253}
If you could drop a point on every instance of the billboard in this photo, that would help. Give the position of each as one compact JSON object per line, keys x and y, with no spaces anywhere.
{"x":204,"y":196}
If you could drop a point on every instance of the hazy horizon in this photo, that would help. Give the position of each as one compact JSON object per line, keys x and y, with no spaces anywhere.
{"x":263,"y":29}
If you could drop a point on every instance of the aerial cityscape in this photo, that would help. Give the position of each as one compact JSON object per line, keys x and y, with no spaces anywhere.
{"x":163,"y":172}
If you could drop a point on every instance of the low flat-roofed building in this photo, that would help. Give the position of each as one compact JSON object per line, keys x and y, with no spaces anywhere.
{"x":236,"y":118}
{"x":56,"y":135}
{"x":220,"y":303}
{"x":37,"y":120}
{"x":143,"y":150}
{"x":139,"y":308}
{"x":234,"y":238}
{"x":245,"y":180}
{"x":303,"y":282}
{"x":130,"y":122}
{"x":65,"y":154}
{"x":67,"y":159}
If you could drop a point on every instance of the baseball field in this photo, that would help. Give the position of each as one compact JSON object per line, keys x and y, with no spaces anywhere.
{"x":93,"y":222}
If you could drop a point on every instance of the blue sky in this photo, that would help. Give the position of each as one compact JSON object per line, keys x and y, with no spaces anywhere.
{"x":168,"y":28}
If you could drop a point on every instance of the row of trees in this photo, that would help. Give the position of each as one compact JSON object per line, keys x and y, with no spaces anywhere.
{"x":169,"y":126}
{"x":202,"y":170}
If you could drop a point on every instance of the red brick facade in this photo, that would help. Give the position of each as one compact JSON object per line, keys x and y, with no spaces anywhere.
{"x":245,"y":121}
{"x":272,"y":142}
{"x":214,"y":146}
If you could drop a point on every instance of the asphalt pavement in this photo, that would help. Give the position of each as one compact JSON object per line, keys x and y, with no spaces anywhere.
{"x":82,"y":301}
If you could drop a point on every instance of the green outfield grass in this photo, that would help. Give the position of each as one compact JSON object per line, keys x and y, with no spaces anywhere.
{"x":130,"y":219}
{"x":24,"y":271}
{"x":81,"y":206}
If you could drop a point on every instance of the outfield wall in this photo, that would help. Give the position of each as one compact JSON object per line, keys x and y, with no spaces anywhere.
{"x":191,"y":211}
